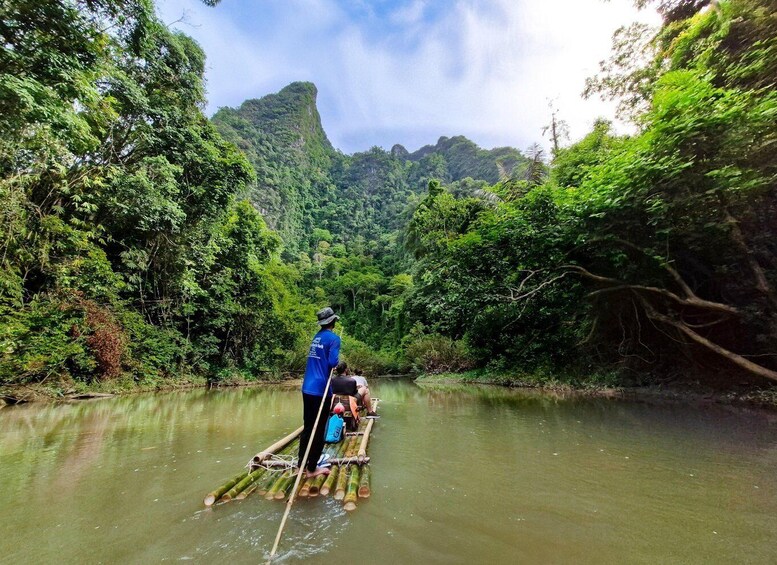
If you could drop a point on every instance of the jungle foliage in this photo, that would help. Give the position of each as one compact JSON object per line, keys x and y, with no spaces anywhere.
{"x":142,"y":241}
{"x":652,"y":255}
{"x":128,"y":247}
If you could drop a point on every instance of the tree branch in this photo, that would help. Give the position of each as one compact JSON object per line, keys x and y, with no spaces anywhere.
{"x":701,"y":340}
{"x":621,"y":285}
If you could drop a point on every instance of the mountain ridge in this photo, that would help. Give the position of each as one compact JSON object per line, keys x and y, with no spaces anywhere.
{"x":304,"y":182}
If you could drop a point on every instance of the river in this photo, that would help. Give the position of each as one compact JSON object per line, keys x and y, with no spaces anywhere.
{"x":460,"y":475}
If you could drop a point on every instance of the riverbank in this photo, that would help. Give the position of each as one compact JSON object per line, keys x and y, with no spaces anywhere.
{"x":602,"y":388}
{"x":55,"y":392}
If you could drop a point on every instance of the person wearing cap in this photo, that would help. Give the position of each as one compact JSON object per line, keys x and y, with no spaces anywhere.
{"x":323,"y":356}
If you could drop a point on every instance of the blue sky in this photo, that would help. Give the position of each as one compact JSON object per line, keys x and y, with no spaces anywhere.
{"x":409,"y":71}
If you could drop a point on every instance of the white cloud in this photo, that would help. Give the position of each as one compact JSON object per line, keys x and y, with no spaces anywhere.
{"x":482,"y":69}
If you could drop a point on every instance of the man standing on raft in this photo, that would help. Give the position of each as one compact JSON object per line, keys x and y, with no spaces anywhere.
{"x":322,"y":358}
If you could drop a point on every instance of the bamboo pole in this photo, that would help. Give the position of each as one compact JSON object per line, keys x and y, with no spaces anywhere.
{"x":278,"y":445}
{"x":238,"y":488}
{"x":365,"y":438}
{"x":217,"y":494}
{"x":364,"y":482}
{"x":277,"y":541}
{"x":330,"y":480}
{"x":342,"y":482}
{"x":351,"y":491}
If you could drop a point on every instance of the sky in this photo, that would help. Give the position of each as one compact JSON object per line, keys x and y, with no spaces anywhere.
{"x":410,"y":71}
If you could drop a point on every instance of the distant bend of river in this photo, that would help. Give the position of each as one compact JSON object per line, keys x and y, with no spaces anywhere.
{"x":459,"y":475}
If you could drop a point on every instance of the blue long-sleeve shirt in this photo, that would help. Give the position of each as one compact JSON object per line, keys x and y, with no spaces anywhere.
{"x":322,"y":358}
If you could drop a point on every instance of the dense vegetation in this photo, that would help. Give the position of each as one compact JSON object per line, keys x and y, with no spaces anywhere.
{"x":645,"y":256}
{"x":135,"y":248}
{"x":128,"y":245}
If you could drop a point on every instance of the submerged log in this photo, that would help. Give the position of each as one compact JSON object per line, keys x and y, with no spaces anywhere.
{"x":364,"y":482}
{"x":342,"y":482}
{"x":351,"y":491}
{"x":277,"y":446}
{"x":330,"y":481}
{"x":242,"y":484}
{"x":217,"y":494}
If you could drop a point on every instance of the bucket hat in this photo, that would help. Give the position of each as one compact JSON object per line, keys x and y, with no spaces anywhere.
{"x":326,"y":316}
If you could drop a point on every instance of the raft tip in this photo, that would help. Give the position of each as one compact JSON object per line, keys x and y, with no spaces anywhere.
{"x":349,"y":506}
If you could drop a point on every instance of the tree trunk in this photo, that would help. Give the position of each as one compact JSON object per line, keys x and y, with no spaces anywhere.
{"x":738,"y":360}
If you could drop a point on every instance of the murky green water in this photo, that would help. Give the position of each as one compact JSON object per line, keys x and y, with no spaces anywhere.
{"x":459,"y":476}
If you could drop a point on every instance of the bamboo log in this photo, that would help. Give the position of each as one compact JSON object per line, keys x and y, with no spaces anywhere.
{"x":267,"y":482}
{"x":342,"y":482}
{"x":350,"y":450}
{"x":304,"y":490}
{"x":239,"y":487}
{"x":364,"y":482}
{"x":278,"y":445}
{"x":351,"y":491}
{"x":315,"y":486}
{"x":247,"y":492}
{"x":365,"y":438}
{"x":270,"y":494}
{"x":330,"y":481}
{"x":341,"y":449}
{"x":285,"y":487}
{"x":217,"y":494}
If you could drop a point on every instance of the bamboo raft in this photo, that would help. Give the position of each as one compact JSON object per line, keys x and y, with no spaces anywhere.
{"x":271,"y":472}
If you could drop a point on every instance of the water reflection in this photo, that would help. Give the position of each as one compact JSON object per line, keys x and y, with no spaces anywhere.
{"x":460,"y":475}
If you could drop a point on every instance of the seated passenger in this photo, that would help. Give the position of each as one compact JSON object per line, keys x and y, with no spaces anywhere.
{"x":364,"y":390}
{"x":342,"y":384}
